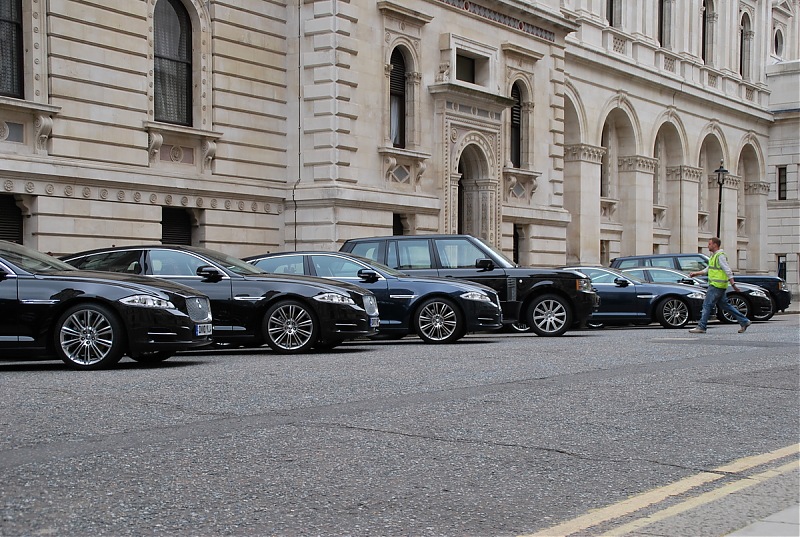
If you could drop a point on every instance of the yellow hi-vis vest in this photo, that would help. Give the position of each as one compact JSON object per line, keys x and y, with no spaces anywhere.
{"x":717,"y":276}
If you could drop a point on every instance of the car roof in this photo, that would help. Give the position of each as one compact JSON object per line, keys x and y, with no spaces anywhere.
{"x":408,"y":237}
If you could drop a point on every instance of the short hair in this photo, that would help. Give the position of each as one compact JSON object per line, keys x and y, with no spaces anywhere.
{"x":716,"y":241}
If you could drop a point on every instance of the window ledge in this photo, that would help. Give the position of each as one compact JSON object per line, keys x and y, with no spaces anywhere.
{"x":36,"y":115}
{"x":403,"y":166}
{"x":178,"y":136}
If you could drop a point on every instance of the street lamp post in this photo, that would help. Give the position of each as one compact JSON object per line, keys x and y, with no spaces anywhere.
{"x":721,"y":173}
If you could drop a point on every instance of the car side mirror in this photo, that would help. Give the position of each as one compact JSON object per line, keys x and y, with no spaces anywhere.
{"x":209,"y":273}
{"x":621,"y":282}
{"x":3,"y":275}
{"x":368,"y":275}
{"x":484,"y":264}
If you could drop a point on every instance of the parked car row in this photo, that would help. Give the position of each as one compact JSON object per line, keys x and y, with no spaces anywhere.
{"x":150,"y":301}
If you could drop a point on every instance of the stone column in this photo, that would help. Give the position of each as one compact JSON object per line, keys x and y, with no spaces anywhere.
{"x":582,"y":164}
{"x":636,"y":203}
{"x":683,"y":202}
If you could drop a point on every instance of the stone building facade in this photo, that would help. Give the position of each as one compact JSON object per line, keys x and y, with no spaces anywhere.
{"x":561,"y":131}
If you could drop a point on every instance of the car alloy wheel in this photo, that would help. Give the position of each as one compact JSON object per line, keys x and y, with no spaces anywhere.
{"x":438,"y":321}
{"x":738,"y":302}
{"x":549,"y":315}
{"x":672,"y":313}
{"x":89,"y":336}
{"x":290,"y":327}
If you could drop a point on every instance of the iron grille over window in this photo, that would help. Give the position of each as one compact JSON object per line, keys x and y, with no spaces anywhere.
{"x":176,"y":226}
{"x":11,"y":64}
{"x":397,"y":97}
{"x":10,"y":220}
{"x":173,"y":63}
{"x":516,"y":127}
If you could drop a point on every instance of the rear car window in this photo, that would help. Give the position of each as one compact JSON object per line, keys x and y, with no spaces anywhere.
{"x":691,"y":264}
{"x":413,"y":254}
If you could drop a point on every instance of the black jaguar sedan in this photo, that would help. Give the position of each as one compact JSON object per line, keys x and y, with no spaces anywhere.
{"x":291,"y":313}
{"x":91,"y":319}
{"x":436,"y":309}
{"x":627,"y":299}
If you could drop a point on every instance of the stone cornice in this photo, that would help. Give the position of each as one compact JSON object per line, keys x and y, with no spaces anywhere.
{"x":584,"y":153}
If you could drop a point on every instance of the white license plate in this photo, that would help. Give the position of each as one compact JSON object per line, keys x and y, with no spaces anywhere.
{"x":204,"y":329}
{"x":375,"y":322}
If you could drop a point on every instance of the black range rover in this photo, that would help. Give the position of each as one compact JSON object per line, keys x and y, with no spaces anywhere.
{"x":549,"y":301}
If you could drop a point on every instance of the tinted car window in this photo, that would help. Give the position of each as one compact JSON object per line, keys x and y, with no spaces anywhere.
{"x":665,"y":262}
{"x":414,"y":254}
{"x":458,"y":253}
{"x":287,"y":264}
{"x":123,"y":261}
{"x":335,"y":267}
{"x":367,"y":249}
{"x":174,"y":263}
{"x":691,"y":264}
{"x":600,"y":276}
{"x":628,"y":263}
{"x":639,"y":273}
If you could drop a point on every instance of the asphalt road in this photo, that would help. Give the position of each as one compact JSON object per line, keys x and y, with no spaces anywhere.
{"x":599,"y":431}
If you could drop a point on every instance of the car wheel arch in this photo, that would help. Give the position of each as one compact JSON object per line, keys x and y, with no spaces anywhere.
{"x":63,"y":306}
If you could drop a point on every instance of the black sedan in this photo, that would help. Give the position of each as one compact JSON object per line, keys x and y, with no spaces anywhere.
{"x":436,"y":309}
{"x":751,"y":300}
{"x":91,"y":319}
{"x":291,"y":313}
{"x":627,"y":299}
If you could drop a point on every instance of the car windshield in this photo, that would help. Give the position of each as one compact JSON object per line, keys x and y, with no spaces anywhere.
{"x":233,"y":264}
{"x":500,"y":258}
{"x":31,"y":260}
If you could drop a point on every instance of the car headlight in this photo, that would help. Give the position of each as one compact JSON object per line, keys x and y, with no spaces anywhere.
{"x":148,"y":301}
{"x":697,"y":295}
{"x":759,"y":293}
{"x":477,"y":295}
{"x":583,"y":284}
{"x":335,"y":298}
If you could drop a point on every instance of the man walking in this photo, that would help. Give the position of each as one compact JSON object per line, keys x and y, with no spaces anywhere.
{"x":719,"y":275}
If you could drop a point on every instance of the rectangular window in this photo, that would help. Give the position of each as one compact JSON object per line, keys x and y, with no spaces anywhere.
{"x":782,"y":182}
{"x":11,"y":50}
{"x":465,"y":69}
{"x":782,"y":266}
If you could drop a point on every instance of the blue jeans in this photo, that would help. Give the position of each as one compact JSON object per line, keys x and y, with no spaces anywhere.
{"x":716,"y":297}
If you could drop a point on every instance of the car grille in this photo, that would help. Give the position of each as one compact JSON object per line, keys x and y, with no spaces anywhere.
{"x":370,"y":305}
{"x":198,"y":308}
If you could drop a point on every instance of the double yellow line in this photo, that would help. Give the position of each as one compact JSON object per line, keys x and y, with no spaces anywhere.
{"x":650,"y":498}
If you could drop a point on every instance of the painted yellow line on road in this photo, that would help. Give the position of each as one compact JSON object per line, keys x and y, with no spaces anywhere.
{"x":702,"y":499}
{"x":631,"y":505}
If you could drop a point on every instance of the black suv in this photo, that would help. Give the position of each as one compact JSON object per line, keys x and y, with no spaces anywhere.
{"x":549,"y":301}
{"x":779,"y":293}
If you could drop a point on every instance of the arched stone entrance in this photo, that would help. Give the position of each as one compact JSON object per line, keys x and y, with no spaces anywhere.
{"x":473,"y":194}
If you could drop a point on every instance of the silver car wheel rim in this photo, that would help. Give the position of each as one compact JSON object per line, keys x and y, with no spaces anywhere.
{"x":290,"y":327}
{"x":737,"y":303}
{"x":676,"y":313}
{"x":549,"y":315}
{"x":86,"y":337}
{"x":437,"y":321}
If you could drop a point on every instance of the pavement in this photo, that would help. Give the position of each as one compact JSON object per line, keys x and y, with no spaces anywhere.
{"x":784,"y":523}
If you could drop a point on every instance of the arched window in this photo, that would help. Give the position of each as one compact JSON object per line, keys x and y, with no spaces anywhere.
{"x":11,"y":49}
{"x":516,"y":127}
{"x":173,"y":63}
{"x":397,"y":100}
{"x":745,"y":43}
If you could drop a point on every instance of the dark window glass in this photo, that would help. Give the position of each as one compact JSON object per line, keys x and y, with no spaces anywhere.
{"x":465,"y":69}
{"x":516,"y":127}
{"x":173,"y":63}
{"x":11,"y":64}
{"x":782,"y":187}
{"x":176,"y":226}
{"x":397,"y":99}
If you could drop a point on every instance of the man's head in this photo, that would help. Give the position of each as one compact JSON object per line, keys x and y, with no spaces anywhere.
{"x":713,"y":244}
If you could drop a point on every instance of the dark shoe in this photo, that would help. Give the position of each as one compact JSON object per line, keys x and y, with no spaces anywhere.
{"x":744,"y":327}
{"x":699,"y":330}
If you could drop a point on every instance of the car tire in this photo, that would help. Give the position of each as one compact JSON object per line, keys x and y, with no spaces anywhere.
{"x":89,"y":336}
{"x":738,"y":302}
{"x":290,"y":327}
{"x":672,"y":312}
{"x":766,"y":316}
{"x":438,"y":320}
{"x":153,"y":357}
{"x":549,"y":315}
